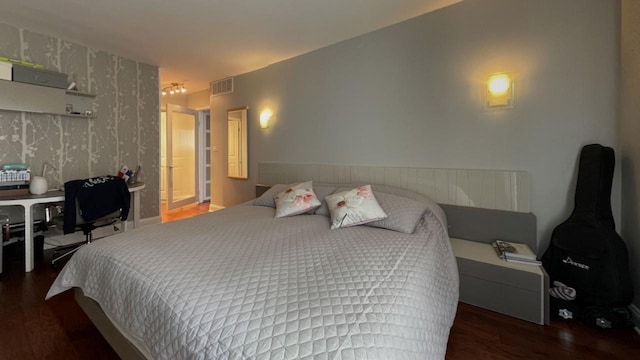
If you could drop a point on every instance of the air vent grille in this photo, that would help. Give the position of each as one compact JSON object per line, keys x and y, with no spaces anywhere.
{"x":223,"y":86}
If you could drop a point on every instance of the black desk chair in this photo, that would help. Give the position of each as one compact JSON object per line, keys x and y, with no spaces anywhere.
{"x":91,"y":204}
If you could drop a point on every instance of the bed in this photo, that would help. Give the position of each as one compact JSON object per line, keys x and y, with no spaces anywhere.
{"x":241,"y":284}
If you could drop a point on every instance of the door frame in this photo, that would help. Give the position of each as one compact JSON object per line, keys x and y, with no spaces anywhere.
{"x":169,"y":154}
{"x":205,"y":138}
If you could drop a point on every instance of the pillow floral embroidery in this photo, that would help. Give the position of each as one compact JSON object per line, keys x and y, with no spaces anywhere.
{"x":296,"y":199}
{"x":354,"y":207}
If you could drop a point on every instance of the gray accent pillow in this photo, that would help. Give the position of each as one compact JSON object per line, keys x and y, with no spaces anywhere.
{"x":323,"y":209}
{"x":321,"y":192}
{"x":266,"y":199}
{"x":403,"y":214}
{"x":432,"y":206}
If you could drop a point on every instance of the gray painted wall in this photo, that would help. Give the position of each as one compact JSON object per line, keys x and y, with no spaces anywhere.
{"x":126,"y":130}
{"x":629,"y":132}
{"x":411,"y":95}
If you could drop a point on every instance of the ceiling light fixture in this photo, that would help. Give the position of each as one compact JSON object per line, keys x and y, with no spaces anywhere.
{"x":174,"y":88}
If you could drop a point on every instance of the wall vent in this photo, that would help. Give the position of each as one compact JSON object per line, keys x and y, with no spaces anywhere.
{"x":223,"y":86}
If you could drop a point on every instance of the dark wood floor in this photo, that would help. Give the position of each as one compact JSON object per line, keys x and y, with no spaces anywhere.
{"x":482,"y":334}
{"x":31,"y":328}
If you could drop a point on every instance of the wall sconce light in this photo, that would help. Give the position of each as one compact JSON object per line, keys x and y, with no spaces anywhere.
{"x":499,"y":91}
{"x":174,"y":88}
{"x":265,"y":116}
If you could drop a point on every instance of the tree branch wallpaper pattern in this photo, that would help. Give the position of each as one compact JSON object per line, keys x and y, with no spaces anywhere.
{"x":125,"y":131}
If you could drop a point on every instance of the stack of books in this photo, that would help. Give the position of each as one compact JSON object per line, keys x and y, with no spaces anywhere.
{"x":14,"y":180}
{"x":515,"y":252}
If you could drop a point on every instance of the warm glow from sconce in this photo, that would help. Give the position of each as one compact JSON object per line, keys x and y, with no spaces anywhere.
{"x":265,"y":116}
{"x":499,"y":91}
{"x":499,"y":84}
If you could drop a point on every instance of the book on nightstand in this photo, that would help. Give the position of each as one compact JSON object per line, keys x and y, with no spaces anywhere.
{"x":515,"y":252}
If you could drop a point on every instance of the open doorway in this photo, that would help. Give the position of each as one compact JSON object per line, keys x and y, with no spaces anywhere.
{"x":204,"y":168}
{"x":180,"y":157}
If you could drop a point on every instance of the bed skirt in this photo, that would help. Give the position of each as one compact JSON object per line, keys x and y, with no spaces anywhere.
{"x":118,"y":341}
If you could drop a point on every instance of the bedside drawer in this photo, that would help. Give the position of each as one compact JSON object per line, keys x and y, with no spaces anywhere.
{"x":519,"y":303}
{"x":524,"y":280}
{"x":513,"y":289}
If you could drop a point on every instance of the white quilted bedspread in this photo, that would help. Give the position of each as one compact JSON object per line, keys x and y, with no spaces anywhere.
{"x":239,"y":284}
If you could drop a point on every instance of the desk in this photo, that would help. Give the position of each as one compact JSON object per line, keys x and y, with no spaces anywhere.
{"x":134,"y":189}
{"x":28,"y":200}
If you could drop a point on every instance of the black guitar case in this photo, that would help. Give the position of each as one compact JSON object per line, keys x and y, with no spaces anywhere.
{"x":586,"y":254}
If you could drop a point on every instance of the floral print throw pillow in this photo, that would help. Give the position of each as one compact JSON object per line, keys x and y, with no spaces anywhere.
{"x":296,"y":199}
{"x":354,"y":207}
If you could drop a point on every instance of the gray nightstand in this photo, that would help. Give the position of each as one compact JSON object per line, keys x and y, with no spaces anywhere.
{"x":261,"y":189}
{"x":514,"y":289}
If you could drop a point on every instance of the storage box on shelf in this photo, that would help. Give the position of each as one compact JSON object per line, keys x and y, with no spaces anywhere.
{"x":41,"y":77}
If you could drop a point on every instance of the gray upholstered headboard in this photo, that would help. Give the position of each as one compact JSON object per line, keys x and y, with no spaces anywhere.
{"x":486,"y":225}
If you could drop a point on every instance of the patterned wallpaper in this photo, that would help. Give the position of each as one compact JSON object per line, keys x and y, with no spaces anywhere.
{"x":125,"y":131}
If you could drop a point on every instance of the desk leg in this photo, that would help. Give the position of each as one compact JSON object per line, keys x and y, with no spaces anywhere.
{"x":28,"y":238}
{"x":136,"y":209}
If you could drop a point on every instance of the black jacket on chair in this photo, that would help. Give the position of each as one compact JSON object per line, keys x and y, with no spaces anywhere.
{"x":96,"y":197}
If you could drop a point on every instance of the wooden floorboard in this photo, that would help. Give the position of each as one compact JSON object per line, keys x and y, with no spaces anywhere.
{"x":182,"y":212}
{"x":483,"y":334}
{"x":32,"y":328}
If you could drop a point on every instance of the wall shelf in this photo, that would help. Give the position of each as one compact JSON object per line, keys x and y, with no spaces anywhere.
{"x":78,"y":116}
{"x":79,"y":93}
{"x":22,"y":97}
{"x":79,"y":102}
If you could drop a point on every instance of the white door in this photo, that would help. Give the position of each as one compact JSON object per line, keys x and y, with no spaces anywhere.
{"x":182,"y":156}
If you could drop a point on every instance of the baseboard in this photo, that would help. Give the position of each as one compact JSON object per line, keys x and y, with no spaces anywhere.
{"x":151,"y":221}
{"x":144,"y":222}
{"x":215,"y":207}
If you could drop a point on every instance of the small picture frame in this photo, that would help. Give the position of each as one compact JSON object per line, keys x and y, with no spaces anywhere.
{"x":69,"y":108}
